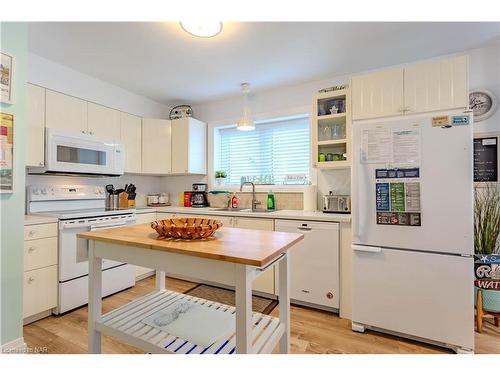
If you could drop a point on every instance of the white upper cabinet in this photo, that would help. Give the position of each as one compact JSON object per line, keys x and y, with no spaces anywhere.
{"x":156,"y":146}
{"x":436,"y":85}
{"x":36,"y":126}
{"x":377,"y":94}
{"x":417,"y":88}
{"x":189,"y":146}
{"x":103,"y":122}
{"x":130,"y":137}
{"x":65,"y":112}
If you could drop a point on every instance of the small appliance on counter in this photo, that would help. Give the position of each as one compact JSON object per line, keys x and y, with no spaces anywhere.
{"x":337,"y":204}
{"x":199,"y":198}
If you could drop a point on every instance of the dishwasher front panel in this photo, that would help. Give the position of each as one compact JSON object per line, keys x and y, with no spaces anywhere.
{"x":314,"y":262}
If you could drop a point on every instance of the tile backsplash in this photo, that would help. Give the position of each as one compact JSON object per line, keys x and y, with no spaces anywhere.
{"x":283,"y":200}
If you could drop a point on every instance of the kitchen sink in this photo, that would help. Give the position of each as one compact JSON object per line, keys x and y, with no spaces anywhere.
{"x":229,"y":209}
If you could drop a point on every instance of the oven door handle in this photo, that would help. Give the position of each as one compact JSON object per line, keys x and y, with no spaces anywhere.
{"x":108,"y":225}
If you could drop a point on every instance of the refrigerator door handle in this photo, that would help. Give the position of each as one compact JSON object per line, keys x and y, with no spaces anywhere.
{"x":368,"y":249}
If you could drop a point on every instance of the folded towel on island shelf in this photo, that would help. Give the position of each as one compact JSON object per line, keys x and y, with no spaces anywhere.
{"x":198,"y":324}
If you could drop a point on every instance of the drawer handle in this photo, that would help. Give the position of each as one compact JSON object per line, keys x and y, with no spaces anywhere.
{"x":31,"y":249}
{"x":31,"y":279}
{"x":305,"y":291}
{"x":304,"y":229}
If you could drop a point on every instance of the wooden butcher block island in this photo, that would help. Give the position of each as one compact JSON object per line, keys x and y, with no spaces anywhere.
{"x":231,"y":257}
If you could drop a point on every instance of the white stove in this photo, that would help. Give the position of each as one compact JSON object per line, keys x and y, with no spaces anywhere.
{"x":80,"y":209}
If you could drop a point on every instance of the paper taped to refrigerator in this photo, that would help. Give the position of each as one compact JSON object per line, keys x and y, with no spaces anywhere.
{"x":397,"y":197}
{"x":406,"y":146}
{"x":382,"y":145}
{"x":376,"y":145}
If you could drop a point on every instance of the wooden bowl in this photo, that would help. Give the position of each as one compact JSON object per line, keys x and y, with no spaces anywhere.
{"x":188,"y":228}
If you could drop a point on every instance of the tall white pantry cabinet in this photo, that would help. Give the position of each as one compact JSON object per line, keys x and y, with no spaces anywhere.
{"x":416,"y":88}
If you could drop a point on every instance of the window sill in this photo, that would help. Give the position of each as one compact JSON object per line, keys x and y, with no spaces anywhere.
{"x":266,"y":188}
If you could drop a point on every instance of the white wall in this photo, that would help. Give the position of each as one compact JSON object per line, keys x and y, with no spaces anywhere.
{"x":484,"y":73}
{"x":60,"y":78}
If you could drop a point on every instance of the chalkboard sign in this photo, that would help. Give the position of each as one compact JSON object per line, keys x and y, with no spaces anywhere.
{"x":486,"y":159}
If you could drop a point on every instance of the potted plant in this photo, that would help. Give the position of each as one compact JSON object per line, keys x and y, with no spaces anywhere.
{"x":220,"y":178}
{"x":487,"y":251}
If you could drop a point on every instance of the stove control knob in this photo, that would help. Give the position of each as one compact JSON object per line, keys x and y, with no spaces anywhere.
{"x":36,"y":191}
{"x":101,"y":190}
{"x":44,"y":191}
{"x":96,"y":190}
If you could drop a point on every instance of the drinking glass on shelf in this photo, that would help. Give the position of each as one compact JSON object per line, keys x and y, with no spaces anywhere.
{"x":336,"y":132}
{"x":325,"y":132}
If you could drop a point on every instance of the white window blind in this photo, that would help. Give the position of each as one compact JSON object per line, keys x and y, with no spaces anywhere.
{"x":267,"y":154}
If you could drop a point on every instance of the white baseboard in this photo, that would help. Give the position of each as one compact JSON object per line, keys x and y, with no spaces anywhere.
{"x":16,"y":346}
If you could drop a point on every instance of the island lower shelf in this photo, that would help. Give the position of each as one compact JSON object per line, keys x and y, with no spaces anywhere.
{"x":125,"y":323}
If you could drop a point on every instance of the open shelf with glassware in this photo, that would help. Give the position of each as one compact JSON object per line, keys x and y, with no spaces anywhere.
{"x":331,"y":129}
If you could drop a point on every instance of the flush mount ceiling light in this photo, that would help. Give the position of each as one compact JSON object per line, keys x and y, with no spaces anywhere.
{"x":206,"y":29}
{"x":246,"y":122}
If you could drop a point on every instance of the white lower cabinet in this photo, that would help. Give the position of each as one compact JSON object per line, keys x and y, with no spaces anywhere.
{"x":40,"y":269}
{"x":265,"y":282}
{"x":142,"y":272}
{"x":314,"y":265}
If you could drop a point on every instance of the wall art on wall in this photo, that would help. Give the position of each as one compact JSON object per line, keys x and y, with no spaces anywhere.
{"x":6,"y":153}
{"x":6,"y":78}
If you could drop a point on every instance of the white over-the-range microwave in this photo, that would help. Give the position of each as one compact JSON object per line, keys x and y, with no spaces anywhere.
{"x":76,"y":153}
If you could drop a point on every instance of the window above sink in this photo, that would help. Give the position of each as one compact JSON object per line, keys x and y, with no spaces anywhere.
{"x":267,"y":156}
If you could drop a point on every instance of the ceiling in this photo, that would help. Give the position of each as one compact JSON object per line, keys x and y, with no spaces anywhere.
{"x":164,"y":63}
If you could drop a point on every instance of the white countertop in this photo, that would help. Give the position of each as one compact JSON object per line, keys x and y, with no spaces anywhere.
{"x":35,"y":219}
{"x":279,"y":214}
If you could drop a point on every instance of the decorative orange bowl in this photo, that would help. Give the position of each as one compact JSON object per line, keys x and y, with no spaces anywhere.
{"x":187,"y":228}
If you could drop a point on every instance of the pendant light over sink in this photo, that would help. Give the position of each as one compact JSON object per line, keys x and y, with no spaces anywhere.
{"x":246,"y":122}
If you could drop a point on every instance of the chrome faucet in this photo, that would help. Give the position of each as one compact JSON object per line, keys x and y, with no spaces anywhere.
{"x":255,"y":202}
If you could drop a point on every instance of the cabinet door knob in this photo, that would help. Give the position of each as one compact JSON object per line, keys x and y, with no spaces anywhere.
{"x":41,"y":164}
{"x":83,"y":132}
{"x":401,"y":109}
{"x":91,"y":133}
{"x":31,"y":249}
{"x":31,"y":233}
{"x":329,"y":295}
{"x":31,"y":279}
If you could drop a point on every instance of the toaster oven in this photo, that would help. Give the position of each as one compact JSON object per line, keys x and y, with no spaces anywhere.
{"x":339,"y":204}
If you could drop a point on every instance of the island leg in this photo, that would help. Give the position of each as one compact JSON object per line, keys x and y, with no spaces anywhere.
{"x":160,"y":280}
{"x":243,"y":309}
{"x":284,"y":301}
{"x":95,"y":299}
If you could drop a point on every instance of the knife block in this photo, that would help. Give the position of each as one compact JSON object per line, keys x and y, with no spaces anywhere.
{"x":124,"y":202}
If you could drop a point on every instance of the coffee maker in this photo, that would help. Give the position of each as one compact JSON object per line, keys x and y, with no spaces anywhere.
{"x":199,"y":196}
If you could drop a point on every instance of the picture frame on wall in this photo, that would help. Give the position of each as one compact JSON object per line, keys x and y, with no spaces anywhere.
{"x":6,"y":153}
{"x":6,"y":78}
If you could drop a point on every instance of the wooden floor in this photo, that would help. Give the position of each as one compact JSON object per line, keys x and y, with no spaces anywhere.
{"x":312,"y":331}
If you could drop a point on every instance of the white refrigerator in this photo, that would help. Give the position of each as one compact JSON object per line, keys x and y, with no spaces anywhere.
{"x":412,"y":214}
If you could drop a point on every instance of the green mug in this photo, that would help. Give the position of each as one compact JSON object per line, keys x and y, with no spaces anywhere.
{"x":322,"y":157}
